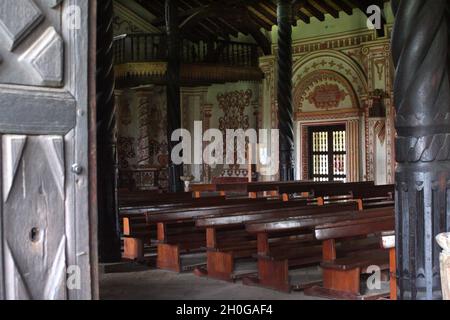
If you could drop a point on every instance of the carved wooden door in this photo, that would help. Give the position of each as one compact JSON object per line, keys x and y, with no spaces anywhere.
{"x":44,"y":216}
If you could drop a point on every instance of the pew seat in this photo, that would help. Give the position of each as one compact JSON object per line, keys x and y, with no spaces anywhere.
{"x":232,"y":248}
{"x":137,"y":234}
{"x":342,"y":275}
{"x":360,"y":260}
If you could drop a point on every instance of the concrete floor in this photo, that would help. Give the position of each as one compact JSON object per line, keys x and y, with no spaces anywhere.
{"x":142,"y":283}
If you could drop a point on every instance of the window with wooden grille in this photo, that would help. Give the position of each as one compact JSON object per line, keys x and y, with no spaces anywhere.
{"x":327,"y":153}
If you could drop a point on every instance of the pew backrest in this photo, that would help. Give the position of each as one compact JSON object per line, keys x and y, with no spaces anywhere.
{"x":363,"y":224}
{"x":297,"y":223}
{"x":287,"y":210}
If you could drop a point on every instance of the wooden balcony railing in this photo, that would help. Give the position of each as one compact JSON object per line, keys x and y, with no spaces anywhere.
{"x":153,"y":47}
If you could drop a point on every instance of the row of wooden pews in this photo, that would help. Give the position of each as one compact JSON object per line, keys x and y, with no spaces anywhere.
{"x":276,"y":228}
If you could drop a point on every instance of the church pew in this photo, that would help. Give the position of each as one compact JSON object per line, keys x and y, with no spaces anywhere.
{"x":135,"y":231}
{"x":137,"y":198}
{"x":274,"y":264}
{"x":323,"y":192}
{"x":342,"y":275}
{"x":388,"y":243}
{"x":160,"y":205}
{"x":252,"y":189}
{"x":198,"y":188}
{"x":270,"y":188}
{"x":374,"y":196}
{"x":220,"y":185}
{"x":170,"y":247}
{"x":223,"y":253}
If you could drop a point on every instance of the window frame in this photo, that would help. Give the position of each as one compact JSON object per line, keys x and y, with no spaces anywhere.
{"x":330,"y":153}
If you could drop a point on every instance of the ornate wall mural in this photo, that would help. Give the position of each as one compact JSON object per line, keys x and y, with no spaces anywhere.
{"x":324,"y":90}
{"x":233,"y":105}
{"x":142,"y":145}
{"x":327,"y":96}
{"x":333,"y":78}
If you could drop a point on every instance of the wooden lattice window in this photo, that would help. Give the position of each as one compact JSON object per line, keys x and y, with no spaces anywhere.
{"x":327,"y":153}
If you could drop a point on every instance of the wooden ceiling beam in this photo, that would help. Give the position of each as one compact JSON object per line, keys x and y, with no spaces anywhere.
{"x":224,"y":18}
{"x":343,"y":6}
{"x":223,"y":28}
{"x":265,"y":12}
{"x":261,"y":20}
{"x":299,"y":15}
{"x":327,"y":8}
{"x":257,"y":35}
{"x":313,"y":10}
{"x":232,"y":29}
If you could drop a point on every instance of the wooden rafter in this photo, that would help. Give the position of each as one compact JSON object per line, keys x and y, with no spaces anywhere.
{"x":212,"y":19}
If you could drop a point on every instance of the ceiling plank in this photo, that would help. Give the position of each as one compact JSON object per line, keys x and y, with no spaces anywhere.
{"x":327,"y":8}
{"x":343,"y":6}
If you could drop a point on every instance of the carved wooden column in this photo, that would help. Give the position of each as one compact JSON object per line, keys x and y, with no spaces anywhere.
{"x":422,"y":102}
{"x":285,"y":111}
{"x":173,"y":91}
{"x":108,"y":223}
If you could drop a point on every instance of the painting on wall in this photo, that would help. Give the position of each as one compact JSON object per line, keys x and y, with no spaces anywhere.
{"x":324,"y":90}
{"x":234,"y":105}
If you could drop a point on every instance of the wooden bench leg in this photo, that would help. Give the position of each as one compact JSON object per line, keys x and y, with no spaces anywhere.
{"x":393,"y":271}
{"x":274,"y":274}
{"x":342,"y":280}
{"x":220,"y":265}
{"x":133,"y":249}
{"x":168,"y":257}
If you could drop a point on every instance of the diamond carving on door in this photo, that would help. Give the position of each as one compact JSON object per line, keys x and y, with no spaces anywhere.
{"x":31,"y":48}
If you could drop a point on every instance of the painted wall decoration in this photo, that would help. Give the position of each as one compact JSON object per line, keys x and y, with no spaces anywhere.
{"x":324,"y":90}
{"x":126,"y":151}
{"x":333,"y":80}
{"x":233,"y":105}
{"x":142,"y":145}
{"x":327,"y":96}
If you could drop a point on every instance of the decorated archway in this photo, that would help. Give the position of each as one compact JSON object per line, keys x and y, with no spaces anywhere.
{"x":329,"y":89}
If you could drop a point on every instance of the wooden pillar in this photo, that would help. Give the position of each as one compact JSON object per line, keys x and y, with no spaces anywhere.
{"x":173,"y":91}
{"x":108,"y":223}
{"x":422,"y":101}
{"x":285,"y":110}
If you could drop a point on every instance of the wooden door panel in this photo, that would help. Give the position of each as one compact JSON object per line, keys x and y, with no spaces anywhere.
{"x":44,"y":214}
{"x":34,"y":213}
{"x":31,"y":45}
